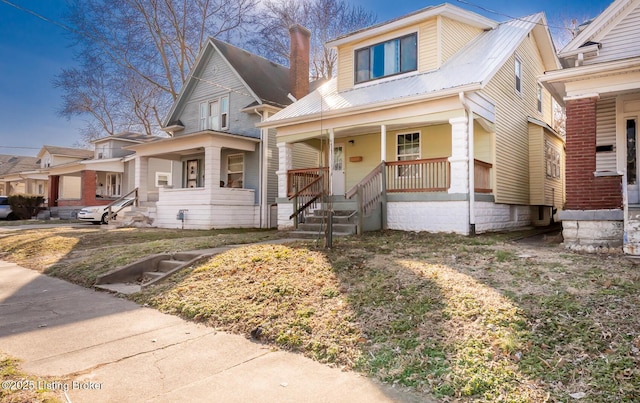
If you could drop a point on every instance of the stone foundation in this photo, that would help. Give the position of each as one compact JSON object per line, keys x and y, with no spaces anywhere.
{"x":593,"y":231}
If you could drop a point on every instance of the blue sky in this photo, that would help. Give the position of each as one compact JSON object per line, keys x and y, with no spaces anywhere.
{"x":33,"y":51}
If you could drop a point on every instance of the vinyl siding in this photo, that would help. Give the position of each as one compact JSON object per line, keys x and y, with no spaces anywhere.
{"x":427,"y":50}
{"x":217,"y":79}
{"x":536,"y":165}
{"x":606,"y":134}
{"x":454,"y":36}
{"x":512,"y":109}
{"x":545,"y":191}
{"x":621,"y":42}
{"x":272,"y":167}
{"x":554,"y":187}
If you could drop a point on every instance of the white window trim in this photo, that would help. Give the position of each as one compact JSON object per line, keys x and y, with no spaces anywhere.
{"x":169,"y":179}
{"x":540,"y":99}
{"x":398,"y":168}
{"x":517,"y":74}
{"x":229,"y":171}
{"x":118,"y":185}
{"x":419,"y":142}
{"x":205,"y":107}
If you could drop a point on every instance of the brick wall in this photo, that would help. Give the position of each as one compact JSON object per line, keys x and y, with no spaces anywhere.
{"x":299,"y":61}
{"x":88,"y":193}
{"x":584,"y":190}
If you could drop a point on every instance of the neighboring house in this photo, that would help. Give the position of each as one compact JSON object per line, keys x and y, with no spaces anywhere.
{"x":225,"y":174}
{"x":600,"y":85}
{"x":79,"y":178}
{"x":20,"y":175}
{"x":435,"y":122}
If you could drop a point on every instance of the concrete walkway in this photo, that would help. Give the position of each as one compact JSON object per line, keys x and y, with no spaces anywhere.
{"x":108,"y":349}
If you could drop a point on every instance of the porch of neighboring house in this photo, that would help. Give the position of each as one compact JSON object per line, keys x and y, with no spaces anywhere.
{"x":214,"y":183}
{"x":72,"y":188}
{"x":410,"y":175}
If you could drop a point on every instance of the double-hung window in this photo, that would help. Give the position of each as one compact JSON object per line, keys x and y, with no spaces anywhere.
{"x":518,"y":76}
{"x":235,"y":170}
{"x":399,"y":55}
{"x":539,"y":98}
{"x":214,"y":115}
{"x":408,"y":149}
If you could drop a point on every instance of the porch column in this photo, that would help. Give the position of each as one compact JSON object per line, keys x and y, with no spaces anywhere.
{"x":332,"y":141}
{"x":459,"y":160}
{"x":285,"y":163}
{"x":212,"y":167}
{"x":383,"y":143}
{"x":141,"y":178}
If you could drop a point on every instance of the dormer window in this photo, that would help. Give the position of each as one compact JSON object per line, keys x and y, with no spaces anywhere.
{"x":386,"y":58}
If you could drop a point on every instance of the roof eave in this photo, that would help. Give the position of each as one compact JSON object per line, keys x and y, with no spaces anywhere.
{"x":445,"y":10}
{"x":380,"y":105}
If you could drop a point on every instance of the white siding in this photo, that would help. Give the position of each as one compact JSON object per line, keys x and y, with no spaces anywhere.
{"x":221,"y":208}
{"x":621,"y":42}
{"x":606,"y":134}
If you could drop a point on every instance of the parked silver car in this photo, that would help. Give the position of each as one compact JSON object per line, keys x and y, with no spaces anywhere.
{"x":98,"y":214}
{"x":5,"y":208}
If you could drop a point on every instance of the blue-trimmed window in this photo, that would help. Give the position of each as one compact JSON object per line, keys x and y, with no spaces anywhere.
{"x":388,"y":58}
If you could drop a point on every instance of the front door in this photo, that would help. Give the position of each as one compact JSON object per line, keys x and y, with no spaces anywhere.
{"x":337,"y":176}
{"x":631,"y":133}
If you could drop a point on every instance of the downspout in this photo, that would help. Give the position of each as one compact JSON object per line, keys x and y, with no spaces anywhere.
{"x":263,"y":172}
{"x":472,"y":179}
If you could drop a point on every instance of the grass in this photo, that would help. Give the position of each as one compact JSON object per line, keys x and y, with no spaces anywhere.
{"x":18,"y":387}
{"x":479,"y":319}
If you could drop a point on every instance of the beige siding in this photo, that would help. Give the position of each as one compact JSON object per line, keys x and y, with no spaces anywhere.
{"x":367,"y":147}
{"x":544,"y":190}
{"x":345,"y":68}
{"x":483,"y":144}
{"x":554,"y":187}
{"x":428,"y":46}
{"x":454,"y":36}
{"x":427,"y":50}
{"x":512,"y":111}
{"x":536,"y":165}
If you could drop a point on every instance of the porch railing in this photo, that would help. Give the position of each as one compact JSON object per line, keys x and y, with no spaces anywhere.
{"x":371,"y":190}
{"x":482,"y":176}
{"x":425,"y":175}
{"x":300,"y":178}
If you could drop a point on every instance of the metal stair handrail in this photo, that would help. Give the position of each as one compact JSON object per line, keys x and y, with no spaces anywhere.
{"x":306,"y":197}
{"x":111,"y":213}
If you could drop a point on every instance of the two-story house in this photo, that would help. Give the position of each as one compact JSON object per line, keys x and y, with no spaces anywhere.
{"x":600,"y":85}
{"x":436,"y":121}
{"x":224,"y":167}
{"x":21,"y":175}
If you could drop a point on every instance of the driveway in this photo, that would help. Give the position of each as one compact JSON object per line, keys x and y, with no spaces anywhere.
{"x":108,"y":349}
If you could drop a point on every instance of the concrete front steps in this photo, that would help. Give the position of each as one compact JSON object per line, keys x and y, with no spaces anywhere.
{"x":314,"y":226}
{"x":145,"y":272}
{"x":134,"y":217}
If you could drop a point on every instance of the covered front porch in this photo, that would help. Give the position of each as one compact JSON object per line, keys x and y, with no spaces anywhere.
{"x":213,"y":182}
{"x":409,"y":173}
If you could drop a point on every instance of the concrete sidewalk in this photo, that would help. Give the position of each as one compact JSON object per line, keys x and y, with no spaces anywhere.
{"x":110,"y":349}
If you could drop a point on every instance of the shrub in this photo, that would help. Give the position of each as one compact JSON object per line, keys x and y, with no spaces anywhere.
{"x":25,"y":206}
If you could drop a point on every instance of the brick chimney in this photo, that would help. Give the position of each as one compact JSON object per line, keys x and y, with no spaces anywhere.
{"x":299,"y":61}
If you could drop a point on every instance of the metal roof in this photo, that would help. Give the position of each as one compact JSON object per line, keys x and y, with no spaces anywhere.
{"x":476,"y":63}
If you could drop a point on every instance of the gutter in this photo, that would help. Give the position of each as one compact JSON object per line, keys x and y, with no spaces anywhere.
{"x":472,"y":179}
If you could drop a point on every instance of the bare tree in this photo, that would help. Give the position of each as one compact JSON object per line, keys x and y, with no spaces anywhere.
{"x":326,"y":19}
{"x":136,"y":54}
